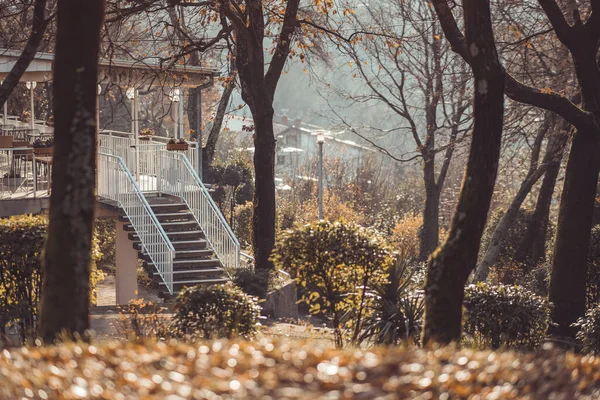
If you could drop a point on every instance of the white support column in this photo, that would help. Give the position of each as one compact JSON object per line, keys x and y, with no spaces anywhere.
{"x":181,"y":107}
{"x":126,"y":268}
{"x":176,"y":120}
{"x":31,"y":86}
{"x":136,"y":131}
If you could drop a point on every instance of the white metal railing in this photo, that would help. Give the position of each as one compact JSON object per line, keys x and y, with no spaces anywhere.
{"x":178,"y":178}
{"x":116,"y":183}
{"x":123,"y":144}
{"x":22,"y":173}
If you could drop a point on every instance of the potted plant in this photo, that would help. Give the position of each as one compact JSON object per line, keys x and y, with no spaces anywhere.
{"x":12,"y":179}
{"x":25,"y":116}
{"x":43,"y":148}
{"x":177,"y":145}
{"x":50,"y":121}
{"x":146,"y":133}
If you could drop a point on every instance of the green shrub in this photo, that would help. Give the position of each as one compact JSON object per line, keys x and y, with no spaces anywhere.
{"x":534,"y":278}
{"x":505,"y":316}
{"x":243,"y":223}
{"x":255,"y":283}
{"x":589,"y":331}
{"x":513,"y":237}
{"x":105,"y":231}
{"x":398,"y":308}
{"x":142,"y":319}
{"x":332,"y":263}
{"x":21,"y":245}
{"x":218,"y":311}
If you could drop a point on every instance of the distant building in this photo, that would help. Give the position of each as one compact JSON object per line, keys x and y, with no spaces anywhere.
{"x":297,"y":149}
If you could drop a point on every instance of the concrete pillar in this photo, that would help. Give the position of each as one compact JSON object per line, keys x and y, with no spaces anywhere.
{"x":126,"y":268}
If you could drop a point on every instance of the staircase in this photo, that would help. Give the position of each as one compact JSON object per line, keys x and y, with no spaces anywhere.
{"x":176,"y":228}
{"x":195,"y":262}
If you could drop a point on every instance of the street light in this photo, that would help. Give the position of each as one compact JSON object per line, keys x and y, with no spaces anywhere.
{"x":31,"y":86}
{"x":5,"y":108}
{"x":133,"y":96}
{"x":98,"y":108}
{"x":320,"y":141}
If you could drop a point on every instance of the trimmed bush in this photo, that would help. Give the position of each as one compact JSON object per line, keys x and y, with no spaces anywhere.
{"x":212,"y":312}
{"x":332,"y":263}
{"x":105,"y":231}
{"x":589,"y":331}
{"x":21,"y":245}
{"x":505,"y":316}
{"x":243,"y":223}
{"x":255,"y":283}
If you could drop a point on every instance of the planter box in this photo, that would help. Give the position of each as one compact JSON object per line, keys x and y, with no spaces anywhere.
{"x":145,"y":138}
{"x":177,"y":146}
{"x":43,"y":151}
{"x":25,"y":120}
{"x":13,"y":182}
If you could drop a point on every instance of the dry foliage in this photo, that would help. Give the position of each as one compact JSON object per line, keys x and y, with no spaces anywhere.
{"x":261,"y":369}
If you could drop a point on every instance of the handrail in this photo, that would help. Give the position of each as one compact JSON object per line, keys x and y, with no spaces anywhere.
{"x":179,"y":178}
{"x":116,"y":183}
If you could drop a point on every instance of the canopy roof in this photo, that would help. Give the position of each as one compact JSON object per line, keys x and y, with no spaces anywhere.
{"x":126,"y":73}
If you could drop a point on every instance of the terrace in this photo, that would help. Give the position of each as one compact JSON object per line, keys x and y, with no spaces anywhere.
{"x":165,"y":215}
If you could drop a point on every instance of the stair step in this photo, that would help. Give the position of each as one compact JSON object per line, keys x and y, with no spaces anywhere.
{"x":170,"y":226}
{"x":175,"y":236}
{"x":192,"y":263}
{"x":179,"y":254}
{"x":190,"y":244}
{"x":187,"y":254}
{"x":166,"y":217}
{"x":193,"y":282}
{"x":168,"y":207}
{"x":189,"y":235}
{"x":189,"y":257}
{"x":180,"y":245}
{"x":193,"y":272}
{"x":163,"y":217}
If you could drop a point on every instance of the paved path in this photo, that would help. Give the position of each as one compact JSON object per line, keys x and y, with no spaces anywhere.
{"x":104,"y":315}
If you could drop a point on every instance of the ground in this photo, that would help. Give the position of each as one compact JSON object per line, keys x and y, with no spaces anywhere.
{"x":106,"y":314}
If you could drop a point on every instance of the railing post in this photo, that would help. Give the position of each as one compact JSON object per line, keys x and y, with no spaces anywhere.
{"x":34,"y":170}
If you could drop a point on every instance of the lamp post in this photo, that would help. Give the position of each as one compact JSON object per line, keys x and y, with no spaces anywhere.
{"x":31,"y":86}
{"x":98,"y":108}
{"x":4,"y":119}
{"x":132,"y":95}
{"x":320,"y":141}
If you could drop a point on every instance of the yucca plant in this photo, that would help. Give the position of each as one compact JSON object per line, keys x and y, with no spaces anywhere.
{"x":397,"y":307}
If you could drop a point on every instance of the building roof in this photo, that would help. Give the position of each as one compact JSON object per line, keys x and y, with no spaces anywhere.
{"x":138,"y":73}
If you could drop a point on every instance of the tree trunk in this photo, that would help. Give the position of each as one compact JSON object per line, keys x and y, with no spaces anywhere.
{"x":65,"y":287}
{"x":569,"y":266}
{"x":493,"y":251}
{"x":429,"y":233}
{"x":263,"y":218}
{"x":533,"y":247}
{"x":208,"y":151}
{"x":38,"y":27}
{"x":449,"y":268}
